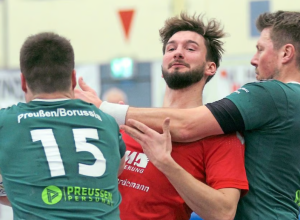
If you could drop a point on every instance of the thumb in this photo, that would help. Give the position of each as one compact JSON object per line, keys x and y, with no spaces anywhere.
{"x":166,"y":127}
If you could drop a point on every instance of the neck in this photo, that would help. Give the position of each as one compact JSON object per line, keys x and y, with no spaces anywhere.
{"x":189,"y":97}
{"x":289,"y":73}
{"x":55,"y":95}
{"x":291,"y":77}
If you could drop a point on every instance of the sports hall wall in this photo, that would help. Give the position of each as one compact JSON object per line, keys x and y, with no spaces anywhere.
{"x":103,"y":30}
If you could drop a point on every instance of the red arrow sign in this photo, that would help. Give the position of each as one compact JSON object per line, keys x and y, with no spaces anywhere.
{"x":126,"y":18}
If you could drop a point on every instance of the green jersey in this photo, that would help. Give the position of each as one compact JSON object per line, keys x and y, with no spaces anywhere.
{"x":59,"y":160}
{"x":270,"y":110}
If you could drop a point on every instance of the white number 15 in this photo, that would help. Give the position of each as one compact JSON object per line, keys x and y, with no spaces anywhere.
{"x":53,"y":156}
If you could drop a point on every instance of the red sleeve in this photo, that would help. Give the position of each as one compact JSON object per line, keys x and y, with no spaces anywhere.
{"x":225,"y":162}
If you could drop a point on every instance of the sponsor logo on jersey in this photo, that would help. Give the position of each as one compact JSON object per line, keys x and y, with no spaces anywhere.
{"x":242,"y":89}
{"x":134,"y":185}
{"x":297,"y":199}
{"x":53,"y":194}
{"x":135,"y":162}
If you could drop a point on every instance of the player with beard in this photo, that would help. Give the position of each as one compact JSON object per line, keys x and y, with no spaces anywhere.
{"x":215,"y":165}
{"x":267,"y":112}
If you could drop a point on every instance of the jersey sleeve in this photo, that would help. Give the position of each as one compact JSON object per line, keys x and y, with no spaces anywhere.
{"x":122,"y":145}
{"x":225,"y":163}
{"x":255,"y":102}
{"x":227,"y":115}
{"x":2,"y":191}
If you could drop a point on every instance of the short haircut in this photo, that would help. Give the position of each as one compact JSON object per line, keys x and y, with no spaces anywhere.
{"x":47,"y":62}
{"x":211,"y":32}
{"x":284,"y":29}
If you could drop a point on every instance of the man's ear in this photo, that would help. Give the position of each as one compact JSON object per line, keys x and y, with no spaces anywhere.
{"x":288,"y":53}
{"x":23,"y":83}
{"x":210,"y":68}
{"x":74,"y":80}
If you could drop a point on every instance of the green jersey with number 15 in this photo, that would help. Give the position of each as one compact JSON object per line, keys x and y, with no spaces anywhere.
{"x":59,"y":160}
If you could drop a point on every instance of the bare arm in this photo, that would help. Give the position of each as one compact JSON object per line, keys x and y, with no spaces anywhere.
{"x":4,"y":201}
{"x":207,"y":202}
{"x":187,"y":124}
{"x":3,"y":198}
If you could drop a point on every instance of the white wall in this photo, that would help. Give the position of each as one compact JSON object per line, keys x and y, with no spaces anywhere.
{"x":95,"y":30}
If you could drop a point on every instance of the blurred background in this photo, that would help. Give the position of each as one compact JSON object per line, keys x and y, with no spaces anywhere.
{"x":117,"y":43}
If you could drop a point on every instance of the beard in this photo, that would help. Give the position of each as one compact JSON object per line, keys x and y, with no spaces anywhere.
{"x":261,"y":77}
{"x":178,"y":80}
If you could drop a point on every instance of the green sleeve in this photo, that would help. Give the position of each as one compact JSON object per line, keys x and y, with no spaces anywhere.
{"x":258,"y":104}
{"x":122,"y":145}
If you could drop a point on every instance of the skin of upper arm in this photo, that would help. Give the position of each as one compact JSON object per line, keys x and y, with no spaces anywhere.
{"x":194,"y":124}
{"x":122,"y":164}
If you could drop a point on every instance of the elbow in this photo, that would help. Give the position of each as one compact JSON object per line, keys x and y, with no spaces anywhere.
{"x":226,"y":214}
{"x":221,"y":214}
{"x":220,"y":217}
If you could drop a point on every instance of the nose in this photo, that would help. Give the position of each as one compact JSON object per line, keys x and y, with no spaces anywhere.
{"x":178,"y":54}
{"x":254,"y":60}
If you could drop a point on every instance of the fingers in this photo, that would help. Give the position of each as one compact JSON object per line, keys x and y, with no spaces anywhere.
{"x":140,"y":126}
{"x":84,"y":86}
{"x":138,"y":131}
{"x":133,"y":132}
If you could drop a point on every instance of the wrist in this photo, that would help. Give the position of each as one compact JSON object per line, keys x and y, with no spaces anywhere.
{"x":98,"y":103}
{"x":166,"y":164}
{"x":115,"y":110}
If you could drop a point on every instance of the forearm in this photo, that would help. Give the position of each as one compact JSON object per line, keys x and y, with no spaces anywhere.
{"x":208,"y":203}
{"x":186,"y":124}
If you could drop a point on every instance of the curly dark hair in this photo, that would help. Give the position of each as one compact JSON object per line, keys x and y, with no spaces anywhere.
{"x":47,"y":62}
{"x":211,"y":32}
{"x":284,"y":29}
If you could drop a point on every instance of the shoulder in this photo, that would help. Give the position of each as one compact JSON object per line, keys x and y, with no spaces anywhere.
{"x":8,"y":110}
{"x":260,"y":85}
{"x":257,"y":93}
{"x":266,"y":85}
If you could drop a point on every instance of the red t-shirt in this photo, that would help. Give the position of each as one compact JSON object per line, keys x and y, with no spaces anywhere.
{"x":147,"y":193}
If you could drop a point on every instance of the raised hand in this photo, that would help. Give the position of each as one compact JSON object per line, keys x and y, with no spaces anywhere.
{"x":156,"y":146}
{"x":87,"y":94}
